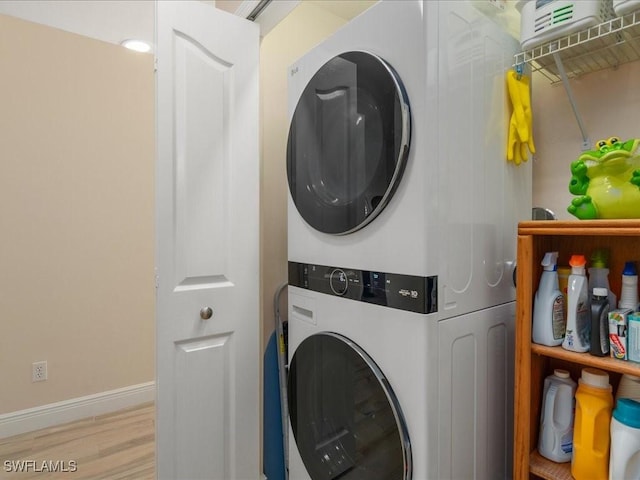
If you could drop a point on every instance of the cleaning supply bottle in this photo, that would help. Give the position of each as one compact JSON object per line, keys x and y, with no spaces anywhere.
{"x":555,"y":441}
{"x":629,"y":292}
{"x":599,"y":274}
{"x":591,"y":440}
{"x":577,"y":337}
{"x":599,"y":322}
{"x":548,"y":310}
{"x":624,"y":461}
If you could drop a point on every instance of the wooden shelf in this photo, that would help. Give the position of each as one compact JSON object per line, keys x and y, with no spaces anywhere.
{"x":549,"y":470}
{"x":603,"y":363}
{"x":618,"y":228}
{"x":535,"y":362}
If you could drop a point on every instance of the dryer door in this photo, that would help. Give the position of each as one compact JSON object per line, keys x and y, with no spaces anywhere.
{"x":348,"y":142}
{"x":345,"y":418}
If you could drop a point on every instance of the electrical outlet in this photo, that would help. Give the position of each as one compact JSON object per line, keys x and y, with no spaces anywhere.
{"x":39,"y":371}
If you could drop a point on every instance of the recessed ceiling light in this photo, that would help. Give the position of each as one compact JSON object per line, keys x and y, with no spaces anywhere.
{"x":136,"y":45}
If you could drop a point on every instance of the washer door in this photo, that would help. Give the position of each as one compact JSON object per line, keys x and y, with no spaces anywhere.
{"x":346,"y":420}
{"x":348,"y":142}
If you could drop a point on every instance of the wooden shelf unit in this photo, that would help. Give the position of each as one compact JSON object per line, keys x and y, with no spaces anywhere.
{"x":535,"y":362}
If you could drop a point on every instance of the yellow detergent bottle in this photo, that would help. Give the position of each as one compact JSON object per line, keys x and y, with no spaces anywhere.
{"x":591,"y":440}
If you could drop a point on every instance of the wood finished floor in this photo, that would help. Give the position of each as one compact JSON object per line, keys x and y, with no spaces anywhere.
{"x":115,"y":446}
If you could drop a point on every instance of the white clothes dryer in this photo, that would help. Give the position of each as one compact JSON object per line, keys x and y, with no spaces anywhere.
{"x":396,"y":153}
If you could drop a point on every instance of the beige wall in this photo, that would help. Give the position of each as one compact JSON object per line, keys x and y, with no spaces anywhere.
{"x":76,"y":215}
{"x":609,"y":101}
{"x":306,"y":26}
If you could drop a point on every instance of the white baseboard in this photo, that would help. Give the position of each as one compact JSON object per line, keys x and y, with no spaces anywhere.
{"x":22,"y":421}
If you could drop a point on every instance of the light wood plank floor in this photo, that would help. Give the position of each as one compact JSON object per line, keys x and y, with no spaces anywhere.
{"x":115,"y":446}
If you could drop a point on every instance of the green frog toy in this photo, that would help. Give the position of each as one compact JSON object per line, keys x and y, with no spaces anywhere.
{"x":607,"y":181}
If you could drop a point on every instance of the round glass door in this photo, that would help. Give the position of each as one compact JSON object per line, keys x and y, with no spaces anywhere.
{"x":346,"y":420}
{"x":348,"y":142}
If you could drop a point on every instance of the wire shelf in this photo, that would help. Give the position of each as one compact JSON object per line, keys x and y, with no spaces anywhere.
{"x":607,"y":45}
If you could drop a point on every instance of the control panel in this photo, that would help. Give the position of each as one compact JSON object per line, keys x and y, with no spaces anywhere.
{"x":404,"y":292}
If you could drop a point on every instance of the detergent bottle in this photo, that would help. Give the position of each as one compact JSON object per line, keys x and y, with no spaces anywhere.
{"x":548,"y":310}
{"x":577,"y":336}
{"x":599,"y":275}
{"x":591,"y":440}
{"x":555,"y":441}
{"x":629,"y":293}
{"x":599,"y":323}
{"x":624,"y":461}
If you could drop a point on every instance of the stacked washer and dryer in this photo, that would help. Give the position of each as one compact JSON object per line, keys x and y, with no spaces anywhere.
{"x":402,"y":240}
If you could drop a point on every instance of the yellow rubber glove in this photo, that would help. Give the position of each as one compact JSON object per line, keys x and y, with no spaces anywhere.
{"x":515,"y":94}
{"x":525,"y":98}
{"x":513,"y":144}
{"x":516,"y":149}
{"x":523,"y":149}
{"x":520,"y":135}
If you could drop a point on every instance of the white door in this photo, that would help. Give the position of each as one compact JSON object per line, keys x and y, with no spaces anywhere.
{"x":207,"y":244}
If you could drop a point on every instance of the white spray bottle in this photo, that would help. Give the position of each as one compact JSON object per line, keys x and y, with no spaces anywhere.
{"x":549,"y":322}
{"x":629,"y":294}
{"x":578,"y":335}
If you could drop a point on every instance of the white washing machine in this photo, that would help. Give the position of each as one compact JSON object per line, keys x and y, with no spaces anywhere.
{"x":382,"y":393}
{"x":402,"y":239}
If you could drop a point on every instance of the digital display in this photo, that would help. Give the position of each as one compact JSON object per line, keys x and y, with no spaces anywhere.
{"x":403,"y":292}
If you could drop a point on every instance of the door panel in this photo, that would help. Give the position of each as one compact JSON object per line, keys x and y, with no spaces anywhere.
{"x":348,"y":142}
{"x":346,"y":420}
{"x":202,"y":365}
{"x":201,"y":103}
{"x":207,"y":244}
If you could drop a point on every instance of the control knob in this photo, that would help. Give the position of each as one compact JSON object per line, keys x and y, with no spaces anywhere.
{"x":338,"y":282}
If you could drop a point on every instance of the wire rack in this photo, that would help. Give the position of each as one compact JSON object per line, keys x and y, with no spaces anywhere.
{"x":607,"y":45}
